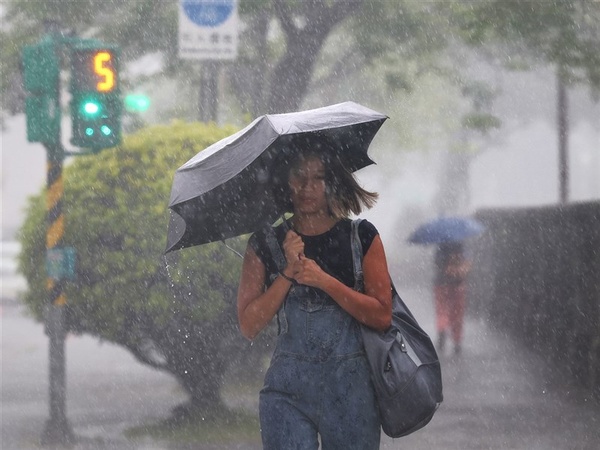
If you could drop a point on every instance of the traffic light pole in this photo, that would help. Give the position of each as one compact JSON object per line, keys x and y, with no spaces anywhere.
{"x":57,"y":430}
{"x":96,"y":114}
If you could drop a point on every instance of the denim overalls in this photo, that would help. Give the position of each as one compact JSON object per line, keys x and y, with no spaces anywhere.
{"x":319,"y":380}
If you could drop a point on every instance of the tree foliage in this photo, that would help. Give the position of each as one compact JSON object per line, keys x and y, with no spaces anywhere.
{"x":176,"y":314}
{"x":565,"y":33}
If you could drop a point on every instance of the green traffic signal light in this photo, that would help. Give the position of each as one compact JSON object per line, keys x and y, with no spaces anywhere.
{"x":96,"y":121}
{"x":91,"y":108}
{"x":137,"y":103}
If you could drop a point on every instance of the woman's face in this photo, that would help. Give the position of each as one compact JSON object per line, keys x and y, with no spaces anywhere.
{"x":307,"y":186}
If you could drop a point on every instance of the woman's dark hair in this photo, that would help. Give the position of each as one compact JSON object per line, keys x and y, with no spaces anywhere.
{"x":344,"y":194}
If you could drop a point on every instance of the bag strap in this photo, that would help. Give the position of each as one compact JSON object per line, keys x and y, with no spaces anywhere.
{"x":274,"y":248}
{"x":277,"y":255}
{"x":357,"y":255}
{"x":359,"y":286}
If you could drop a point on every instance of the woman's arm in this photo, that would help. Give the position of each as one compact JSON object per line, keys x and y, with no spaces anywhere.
{"x":374,"y":307}
{"x":256,"y":307}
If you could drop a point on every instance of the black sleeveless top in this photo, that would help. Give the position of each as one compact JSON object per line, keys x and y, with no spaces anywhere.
{"x":331,"y":250}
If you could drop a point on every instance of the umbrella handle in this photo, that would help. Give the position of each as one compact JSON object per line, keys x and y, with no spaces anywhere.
{"x":285,"y":224}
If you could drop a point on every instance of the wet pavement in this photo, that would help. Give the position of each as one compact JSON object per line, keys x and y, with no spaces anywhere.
{"x":497,"y":395}
{"x":107,"y":390}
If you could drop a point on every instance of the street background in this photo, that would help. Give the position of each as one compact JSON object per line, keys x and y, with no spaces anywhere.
{"x":431,"y":161}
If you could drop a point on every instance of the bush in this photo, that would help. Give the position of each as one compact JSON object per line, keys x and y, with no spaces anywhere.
{"x":176,"y":313}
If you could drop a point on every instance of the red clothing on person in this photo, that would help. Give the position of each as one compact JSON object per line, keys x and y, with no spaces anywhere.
{"x":450,"y":293}
{"x":450,"y":305}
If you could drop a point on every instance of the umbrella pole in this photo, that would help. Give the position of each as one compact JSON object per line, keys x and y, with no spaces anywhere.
{"x":232,"y":249}
{"x":285,"y":225}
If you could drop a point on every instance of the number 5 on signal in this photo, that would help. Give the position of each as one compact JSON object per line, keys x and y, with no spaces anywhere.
{"x":106,"y":74}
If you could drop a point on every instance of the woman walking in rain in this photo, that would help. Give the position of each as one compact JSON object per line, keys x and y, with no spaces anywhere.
{"x":318,"y":385}
{"x":452,"y":269}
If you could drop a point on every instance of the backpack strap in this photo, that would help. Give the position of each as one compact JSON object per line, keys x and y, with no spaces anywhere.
{"x":274,"y":248}
{"x":277,"y":255}
{"x":357,"y":255}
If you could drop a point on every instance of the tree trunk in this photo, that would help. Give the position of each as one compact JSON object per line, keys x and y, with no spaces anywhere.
{"x":202,"y":380}
{"x":248,"y":75}
{"x":292,"y":75}
{"x":453,"y":189}
{"x":563,"y":137}
{"x":198,"y":355}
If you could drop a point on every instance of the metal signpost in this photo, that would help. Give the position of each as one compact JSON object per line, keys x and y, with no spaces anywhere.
{"x":208,"y":32}
{"x":96,"y":122}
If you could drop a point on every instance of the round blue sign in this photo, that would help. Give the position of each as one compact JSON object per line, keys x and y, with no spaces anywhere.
{"x":208,"y":13}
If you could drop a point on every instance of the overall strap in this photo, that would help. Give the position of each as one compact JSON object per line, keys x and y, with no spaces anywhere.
{"x":357,"y":255}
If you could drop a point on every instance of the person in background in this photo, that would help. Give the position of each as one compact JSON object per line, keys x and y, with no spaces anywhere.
{"x":318,"y":386}
{"x":451,"y":271}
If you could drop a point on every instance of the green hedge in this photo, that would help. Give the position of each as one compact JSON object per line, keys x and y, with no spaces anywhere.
{"x":116,"y":217}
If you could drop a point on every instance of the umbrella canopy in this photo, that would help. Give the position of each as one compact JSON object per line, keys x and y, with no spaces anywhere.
{"x":225,"y":190}
{"x":446,"y":229}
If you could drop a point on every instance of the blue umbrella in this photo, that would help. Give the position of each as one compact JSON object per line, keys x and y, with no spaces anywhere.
{"x":446,"y":229}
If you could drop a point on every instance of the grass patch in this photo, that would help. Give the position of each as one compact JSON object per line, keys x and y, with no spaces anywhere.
{"x":218,"y":427}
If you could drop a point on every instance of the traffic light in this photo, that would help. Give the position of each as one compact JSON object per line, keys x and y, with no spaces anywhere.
{"x":96,"y":105}
{"x":137,"y":103}
{"x":41,"y":80}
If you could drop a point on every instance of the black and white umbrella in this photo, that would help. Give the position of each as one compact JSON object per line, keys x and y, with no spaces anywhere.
{"x":225,"y":190}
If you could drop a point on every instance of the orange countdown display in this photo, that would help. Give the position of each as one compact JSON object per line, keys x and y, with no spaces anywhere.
{"x":104,"y":71}
{"x":94,"y":70}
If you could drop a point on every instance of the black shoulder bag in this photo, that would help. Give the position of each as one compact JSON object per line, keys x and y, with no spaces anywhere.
{"x":405,"y":368}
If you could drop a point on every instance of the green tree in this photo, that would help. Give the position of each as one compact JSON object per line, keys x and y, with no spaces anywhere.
{"x":176,"y":314}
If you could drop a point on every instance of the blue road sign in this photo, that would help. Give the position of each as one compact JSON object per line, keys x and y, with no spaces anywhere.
{"x":60,"y":263}
{"x":208,"y":13}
